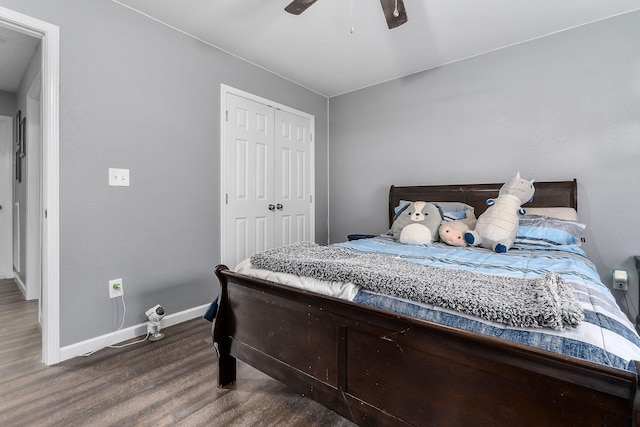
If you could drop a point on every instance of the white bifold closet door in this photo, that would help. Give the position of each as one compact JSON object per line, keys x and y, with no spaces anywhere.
{"x":267,"y":181}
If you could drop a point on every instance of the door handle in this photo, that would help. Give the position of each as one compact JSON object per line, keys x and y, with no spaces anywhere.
{"x":279,"y":206}
{"x":271,"y":206}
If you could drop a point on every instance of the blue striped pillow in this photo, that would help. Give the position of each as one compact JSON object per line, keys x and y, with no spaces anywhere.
{"x":546,"y":231}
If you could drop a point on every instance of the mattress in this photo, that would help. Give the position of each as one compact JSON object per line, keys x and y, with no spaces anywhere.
{"x":605,"y":336}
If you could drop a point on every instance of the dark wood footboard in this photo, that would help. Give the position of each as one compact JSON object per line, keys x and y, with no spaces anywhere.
{"x":379,"y":368}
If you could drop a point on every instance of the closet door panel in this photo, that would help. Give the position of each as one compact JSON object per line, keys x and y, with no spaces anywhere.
{"x":292,"y":179}
{"x":249,"y":185}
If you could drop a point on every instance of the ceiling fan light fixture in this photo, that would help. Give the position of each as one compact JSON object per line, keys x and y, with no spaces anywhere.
{"x":296,"y":7}
{"x":394,"y":11}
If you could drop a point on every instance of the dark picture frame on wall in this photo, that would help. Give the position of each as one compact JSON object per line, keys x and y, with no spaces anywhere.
{"x":18,"y":167}
{"x":23,"y":137}
{"x":17,"y":130}
{"x":20,"y":132}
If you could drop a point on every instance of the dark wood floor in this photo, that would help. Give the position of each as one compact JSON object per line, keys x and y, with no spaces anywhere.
{"x":164,"y":383}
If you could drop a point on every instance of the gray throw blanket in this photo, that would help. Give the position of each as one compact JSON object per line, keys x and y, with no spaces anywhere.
{"x":546,"y":301}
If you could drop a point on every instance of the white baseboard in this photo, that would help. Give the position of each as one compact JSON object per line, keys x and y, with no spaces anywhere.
{"x":21,"y":285}
{"x":98,"y":343}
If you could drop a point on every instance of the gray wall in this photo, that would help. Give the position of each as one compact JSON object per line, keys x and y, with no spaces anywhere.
{"x":136,"y":94}
{"x":561,"y":107}
{"x":8,"y":108}
{"x":7,"y":103}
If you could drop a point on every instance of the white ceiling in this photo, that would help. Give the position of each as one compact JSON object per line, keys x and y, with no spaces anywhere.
{"x":317,"y":49}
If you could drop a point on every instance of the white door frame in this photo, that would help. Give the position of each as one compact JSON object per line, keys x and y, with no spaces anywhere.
{"x":33,"y":262}
{"x":224,"y":90}
{"x":49,"y":36}
{"x":7,"y":157}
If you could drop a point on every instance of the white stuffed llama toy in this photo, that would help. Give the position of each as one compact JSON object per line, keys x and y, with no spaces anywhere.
{"x":497,"y":226}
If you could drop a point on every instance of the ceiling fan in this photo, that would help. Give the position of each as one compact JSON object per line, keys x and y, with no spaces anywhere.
{"x":394,"y":11}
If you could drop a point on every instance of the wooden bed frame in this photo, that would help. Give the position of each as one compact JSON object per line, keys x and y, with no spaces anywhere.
{"x":379,"y":368}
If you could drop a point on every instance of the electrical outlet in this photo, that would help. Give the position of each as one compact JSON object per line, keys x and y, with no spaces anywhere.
{"x":620,"y":280}
{"x":115,"y":288}
{"x":620,"y":286}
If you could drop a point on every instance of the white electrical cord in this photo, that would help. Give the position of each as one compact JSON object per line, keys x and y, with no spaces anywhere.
{"x":124,"y":309}
{"x":124,"y":313}
{"x":129,"y":343}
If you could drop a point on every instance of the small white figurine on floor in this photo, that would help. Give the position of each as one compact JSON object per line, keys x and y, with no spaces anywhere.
{"x":154,"y":324}
{"x":497,"y":227}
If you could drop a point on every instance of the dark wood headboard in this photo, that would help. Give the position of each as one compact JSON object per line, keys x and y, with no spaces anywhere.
{"x":548,"y":194}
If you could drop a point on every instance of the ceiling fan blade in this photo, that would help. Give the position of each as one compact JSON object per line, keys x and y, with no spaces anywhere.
{"x":389,"y":7}
{"x":296,"y":7}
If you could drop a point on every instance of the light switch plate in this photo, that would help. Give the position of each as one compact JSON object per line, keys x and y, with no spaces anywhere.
{"x":119,"y":177}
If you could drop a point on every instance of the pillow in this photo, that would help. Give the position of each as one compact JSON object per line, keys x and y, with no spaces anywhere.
{"x":546,"y":231}
{"x":569,"y":214}
{"x":450,"y":210}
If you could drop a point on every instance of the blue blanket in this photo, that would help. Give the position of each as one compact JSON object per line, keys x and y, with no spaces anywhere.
{"x":605,"y":335}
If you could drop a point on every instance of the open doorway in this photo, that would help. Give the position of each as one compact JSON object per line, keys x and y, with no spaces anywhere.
{"x":42,"y":101}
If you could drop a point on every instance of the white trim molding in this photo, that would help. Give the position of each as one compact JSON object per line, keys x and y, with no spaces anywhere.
{"x":21,"y":286}
{"x":33,"y":215}
{"x":100,"y":342}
